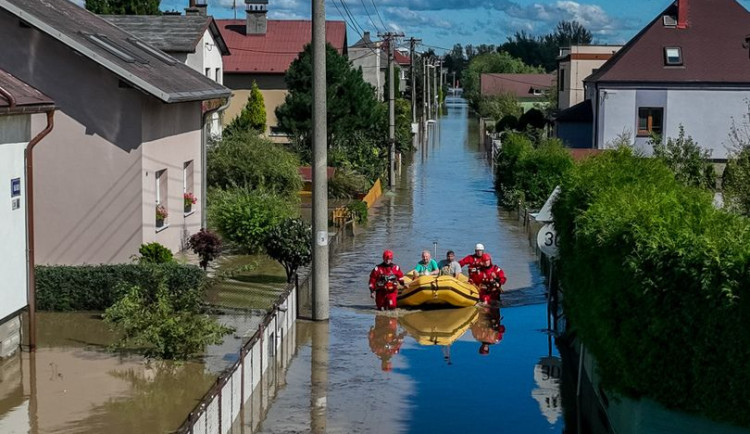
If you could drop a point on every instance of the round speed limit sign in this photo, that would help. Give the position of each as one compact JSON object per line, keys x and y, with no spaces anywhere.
{"x":546,"y":239}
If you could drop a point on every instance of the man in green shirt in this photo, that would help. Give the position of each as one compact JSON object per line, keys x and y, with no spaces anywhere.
{"x":427,"y":266}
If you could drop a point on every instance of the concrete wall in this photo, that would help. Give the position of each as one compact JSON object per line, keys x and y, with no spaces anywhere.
{"x":170,"y":139}
{"x":577,"y":68}
{"x":207,"y":56}
{"x":15,"y":134}
{"x":706,"y":114}
{"x":369,"y":60}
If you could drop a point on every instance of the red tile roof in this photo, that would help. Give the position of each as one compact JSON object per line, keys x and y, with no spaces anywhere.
{"x":21,"y":93}
{"x":520,"y":85}
{"x":401,"y":59}
{"x":712,"y":48}
{"x":273,"y":52}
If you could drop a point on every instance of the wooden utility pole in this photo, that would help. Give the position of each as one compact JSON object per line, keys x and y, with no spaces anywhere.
{"x":412,"y":44}
{"x":389,"y":38}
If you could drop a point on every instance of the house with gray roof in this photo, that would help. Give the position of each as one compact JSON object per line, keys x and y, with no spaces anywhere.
{"x":689,"y":66}
{"x":193,"y":39}
{"x":128,"y":141}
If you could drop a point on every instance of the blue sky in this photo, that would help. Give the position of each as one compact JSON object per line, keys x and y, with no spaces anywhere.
{"x":441,"y":23}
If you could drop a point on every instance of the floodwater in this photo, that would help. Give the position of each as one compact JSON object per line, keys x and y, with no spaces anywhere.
{"x":460,"y":370}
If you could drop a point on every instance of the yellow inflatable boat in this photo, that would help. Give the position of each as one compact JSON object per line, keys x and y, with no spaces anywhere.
{"x":438,"y":290}
{"x":439,"y":327}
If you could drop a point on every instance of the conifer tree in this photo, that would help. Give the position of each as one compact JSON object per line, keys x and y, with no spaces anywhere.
{"x":253,"y":115}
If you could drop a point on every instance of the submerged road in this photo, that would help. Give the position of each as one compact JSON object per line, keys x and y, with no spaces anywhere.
{"x":422,"y":371}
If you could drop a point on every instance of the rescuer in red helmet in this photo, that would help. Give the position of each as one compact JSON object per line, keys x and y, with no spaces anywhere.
{"x":384,"y":281}
{"x":473,"y":262}
{"x":490,"y":280}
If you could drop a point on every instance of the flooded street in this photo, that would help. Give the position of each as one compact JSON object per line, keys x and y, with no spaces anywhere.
{"x":469,"y":370}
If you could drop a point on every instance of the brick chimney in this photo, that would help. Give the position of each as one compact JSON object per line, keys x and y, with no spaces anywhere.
{"x":256,"y":21}
{"x":196,"y":7}
{"x":682,"y":14}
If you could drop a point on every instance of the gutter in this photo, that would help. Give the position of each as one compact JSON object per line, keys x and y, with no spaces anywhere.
{"x":204,"y":165}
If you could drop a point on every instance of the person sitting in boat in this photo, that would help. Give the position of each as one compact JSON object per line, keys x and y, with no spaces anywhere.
{"x":427,"y":266}
{"x":384,"y":281}
{"x":449,"y":266}
{"x":490,"y":280}
{"x":474,"y":261}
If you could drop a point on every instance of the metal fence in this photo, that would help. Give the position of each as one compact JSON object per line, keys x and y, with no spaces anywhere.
{"x":241,"y":395}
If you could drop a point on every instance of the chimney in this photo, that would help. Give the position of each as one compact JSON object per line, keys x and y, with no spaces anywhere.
{"x":256,"y":22}
{"x":682,"y":14}
{"x":202,"y":6}
{"x":191,"y":9}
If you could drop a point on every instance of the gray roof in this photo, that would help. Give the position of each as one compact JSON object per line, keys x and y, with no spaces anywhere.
{"x":135,"y":62}
{"x":170,"y":33}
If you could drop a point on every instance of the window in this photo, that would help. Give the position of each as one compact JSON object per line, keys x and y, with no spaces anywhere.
{"x":594,"y":70}
{"x":208,"y":72}
{"x":536,"y":92}
{"x":218,"y":75}
{"x":187,"y":186}
{"x":161,"y":198}
{"x":672,"y":56}
{"x":561,"y":81}
{"x":650,"y":120}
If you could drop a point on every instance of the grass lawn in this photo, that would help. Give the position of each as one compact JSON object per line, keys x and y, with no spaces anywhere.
{"x":255,"y":283}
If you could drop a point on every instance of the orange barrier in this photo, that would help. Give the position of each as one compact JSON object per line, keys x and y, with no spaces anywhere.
{"x":375,"y":192}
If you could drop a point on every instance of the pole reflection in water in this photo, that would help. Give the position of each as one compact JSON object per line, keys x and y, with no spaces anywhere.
{"x":319,"y":377}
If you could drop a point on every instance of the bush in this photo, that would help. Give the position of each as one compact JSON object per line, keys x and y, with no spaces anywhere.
{"x":656,"y":284}
{"x":346,"y":184}
{"x":97,"y":287}
{"x":533,"y":119}
{"x":156,"y":323}
{"x":736,"y":182}
{"x":154,"y":253}
{"x":290,"y":243}
{"x":361,"y":153}
{"x":244,"y":217}
{"x":690,"y":163}
{"x":499,"y":106}
{"x":514,"y":147}
{"x":358,"y":210}
{"x":205,"y":244}
{"x":507,"y":122}
{"x":246,"y":160}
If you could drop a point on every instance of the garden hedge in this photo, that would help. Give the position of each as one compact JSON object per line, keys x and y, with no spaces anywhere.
{"x":657,"y":284}
{"x":97,"y":287}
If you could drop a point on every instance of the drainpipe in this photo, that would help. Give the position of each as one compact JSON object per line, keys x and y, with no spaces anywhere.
{"x":30,"y":221}
{"x":204,"y":150}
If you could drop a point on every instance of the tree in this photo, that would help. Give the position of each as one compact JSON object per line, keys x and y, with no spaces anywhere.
{"x":736,"y":182}
{"x":124,"y":7}
{"x":507,"y":122}
{"x":290,"y":243}
{"x":687,"y":160}
{"x":352,"y":103}
{"x":498,"y":106}
{"x":253,"y":115}
{"x":543,"y":50}
{"x":533,"y":118}
{"x":205,"y":244}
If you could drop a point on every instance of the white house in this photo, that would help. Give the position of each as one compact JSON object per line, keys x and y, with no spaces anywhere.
{"x":18,"y":103}
{"x":690,"y":66}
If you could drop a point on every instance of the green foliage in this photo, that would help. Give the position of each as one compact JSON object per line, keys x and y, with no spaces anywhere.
{"x":252,"y":117}
{"x":498,"y":106}
{"x":533,"y":119}
{"x":154,"y":253}
{"x":205,"y":244}
{"x":543,"y":51}
{"x":124,"y":7}
{"x":352,"y":103}
{"x":387,"y":84}
{"x":737,"y":182}
{"x":507,"y":122}
{"x":346,"y":184}
{"x":97,"y":287}
{"x":490,"y":63}
{"x":515,"y":146}
{"x":656,"y":278}
{"x":361,"y":153}
{"x":244,"y":216}
{"x":156,"y":322}
{"x":690,"y":163}
{"x":290,"y":243}
{"x":245,"y":160}
{"x":402,"y":109}
{"x":358,"y":210}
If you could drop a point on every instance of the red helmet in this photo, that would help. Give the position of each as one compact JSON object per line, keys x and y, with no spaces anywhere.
{"x":388,"y":254}
{"x":486,"y":257}
{"x":484,"y":349}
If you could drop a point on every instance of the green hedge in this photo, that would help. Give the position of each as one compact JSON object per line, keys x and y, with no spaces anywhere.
{"x":97,"y":287}
{"x":528,"y":173}
{"x":656,"y":285}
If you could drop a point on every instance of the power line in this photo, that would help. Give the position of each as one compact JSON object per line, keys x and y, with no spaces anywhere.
{"x":370,"y":17}
{"x":351,"y":15}
{"x":385,"y":28}
{"x":352,"y":26}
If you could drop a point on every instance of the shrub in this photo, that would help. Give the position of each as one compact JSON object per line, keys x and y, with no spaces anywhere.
{"x":252,"y":117}
{"x":533,"y":118}
{"x":155,"y":323}
{"x":656,"y":279}
{"x":358,"y":210}
{"x":736,"y":182}
{"x":244,"y":217}
{"x":154,"y":253}
{"x":361,"y":153}
{"x":246,"y":160}
{"x":514,"y":147}
{"x":540,"y":170}
{"x":290,"y":243}
{"x":97,"y":287}
{"x":507,"y":122}
{"x":347,"y":183}
{"x":205,"y":244}
{"x":690,"y":163}
{"x":499,"y":106}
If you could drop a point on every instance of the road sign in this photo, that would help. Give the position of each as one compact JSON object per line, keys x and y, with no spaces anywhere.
{"x":546,"y":239}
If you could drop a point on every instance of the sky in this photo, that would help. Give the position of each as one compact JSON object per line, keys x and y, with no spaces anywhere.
{"x":443,"y":23}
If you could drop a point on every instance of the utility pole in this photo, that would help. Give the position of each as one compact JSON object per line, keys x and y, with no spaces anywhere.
{"x":424,"y":92}
{"x":389,"y":38}
{"x":320,"y":301}
{"x":412,"y":43}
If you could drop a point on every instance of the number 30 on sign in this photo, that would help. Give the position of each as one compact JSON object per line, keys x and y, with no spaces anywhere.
{"x":546,"y":239}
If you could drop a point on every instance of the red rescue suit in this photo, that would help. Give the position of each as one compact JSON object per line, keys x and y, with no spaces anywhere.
{"x":385,"y":341}
{"x":474,"y":262}
{"x":489,"y":280}
{"x":383,"y":281}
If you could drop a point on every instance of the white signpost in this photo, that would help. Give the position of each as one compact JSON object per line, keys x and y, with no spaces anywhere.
{"x":546,"y":239}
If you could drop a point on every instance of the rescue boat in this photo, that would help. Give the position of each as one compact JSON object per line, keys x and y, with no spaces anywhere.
{"x":431,"y":290}
{"x":439,"y":327}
